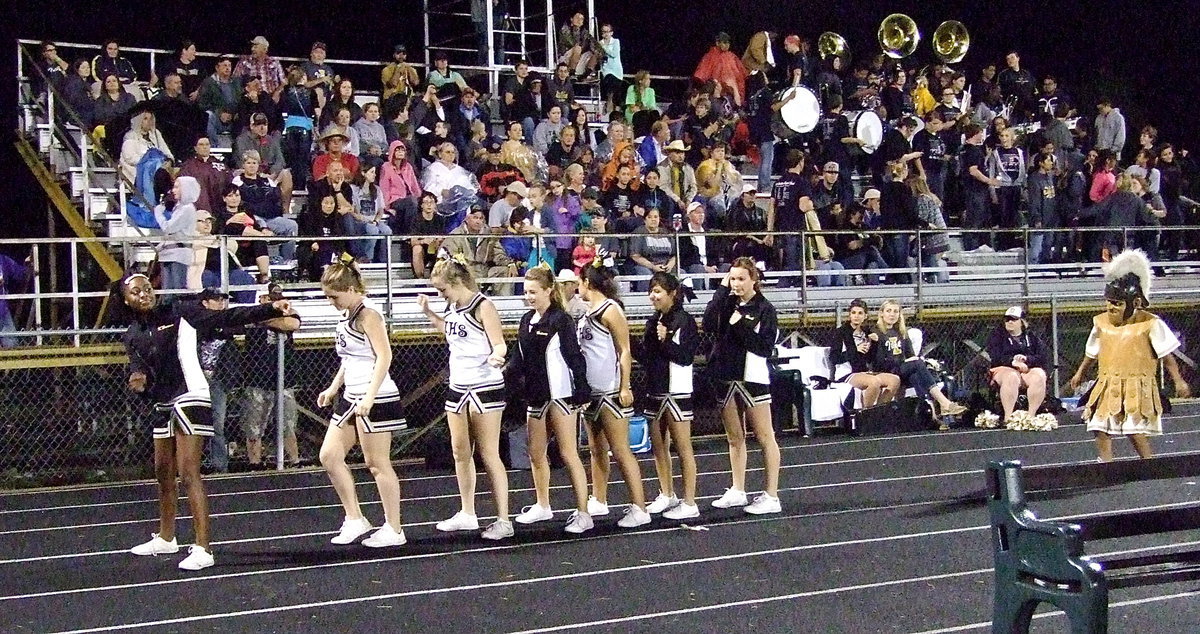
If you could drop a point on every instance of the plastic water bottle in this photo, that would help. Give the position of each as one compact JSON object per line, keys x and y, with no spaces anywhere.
{"x":677,"y":222}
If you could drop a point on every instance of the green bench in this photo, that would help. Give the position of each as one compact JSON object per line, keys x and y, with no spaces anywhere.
{"x":1044,"y":561}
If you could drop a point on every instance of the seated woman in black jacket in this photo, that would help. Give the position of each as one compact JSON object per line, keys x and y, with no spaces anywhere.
{"x":894,"y":354}
{"x":852,"y":344}
{"x":1018,"y":358}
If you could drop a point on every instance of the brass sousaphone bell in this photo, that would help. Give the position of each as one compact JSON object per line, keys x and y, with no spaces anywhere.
{"x":899,"y":36}
{"x":830,"y":44}
{"x":951,"y":41}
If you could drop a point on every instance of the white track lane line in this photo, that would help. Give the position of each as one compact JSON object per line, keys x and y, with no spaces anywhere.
{"x":848,"y":440}
{"x":599,"y":573}
{"x":367,"y":483}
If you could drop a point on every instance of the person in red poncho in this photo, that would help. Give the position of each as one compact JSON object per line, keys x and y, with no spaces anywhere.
{"x":723,"y":66}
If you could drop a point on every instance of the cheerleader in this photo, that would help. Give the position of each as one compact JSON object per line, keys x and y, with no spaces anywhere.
{"x":604,"y":338}
{"x":743,"y":324}
{"x":164,"y":345}
{"x":669,"y":345}
{"x":475,"y":400}
{"x":368,"y":412}
{"x":548,"y":357}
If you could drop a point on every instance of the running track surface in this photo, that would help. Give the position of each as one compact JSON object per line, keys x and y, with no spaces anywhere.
{"x":884,"y":534}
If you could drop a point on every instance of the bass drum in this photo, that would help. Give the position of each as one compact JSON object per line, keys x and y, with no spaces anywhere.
{"x":802,"y":112}
{"x":865,"y":125}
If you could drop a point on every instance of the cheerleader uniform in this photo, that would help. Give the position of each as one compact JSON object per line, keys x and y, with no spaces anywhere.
{"x":548,"y":359}
{"x":603,"y":366}
{"x":358,"y":361}
{"x":165,"y":345}
{"x":739,"y":356}
{"x":474,"y":384}
{"x":669,"y":364}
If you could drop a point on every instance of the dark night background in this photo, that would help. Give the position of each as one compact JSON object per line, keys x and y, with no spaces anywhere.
{"x":1143,"y":55}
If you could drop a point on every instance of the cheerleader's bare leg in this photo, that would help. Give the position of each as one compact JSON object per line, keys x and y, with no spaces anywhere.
{"x":338,"y":442}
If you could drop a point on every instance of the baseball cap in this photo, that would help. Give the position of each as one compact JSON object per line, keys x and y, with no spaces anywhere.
{"x":748,"y":188}
{"x":319,"y":45}
{"x":1014,"y":312}
{"x":258,"y":118}
{"x":211,"y":293}
{"x":832,"y":166}
{"x":567,"y":275}
{"x":592,"y":193}
{"x":399,"y":48}
{"x":260,"y":41}
{"x":871,"y":194}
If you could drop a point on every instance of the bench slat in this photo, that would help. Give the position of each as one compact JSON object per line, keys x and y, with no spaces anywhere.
{"x":1113,"y":525}
{"x":1101,"y":474}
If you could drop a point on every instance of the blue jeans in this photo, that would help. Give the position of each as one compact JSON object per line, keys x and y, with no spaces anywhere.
{"x":916,"y":374}
{"x":831,"y":280}
{"x":766,"y":151}
{"x":282,"y":226}
{"x":895,"y":252}
{"x":216,"y":127}
{"x":174,"y":275}
{"x":374,"y":249}
{"x":237,"y":277}
{"x":868,"y":258}
{"x":218,"y":449}
{"x":7,"y":325}
{"x":791,"y":248}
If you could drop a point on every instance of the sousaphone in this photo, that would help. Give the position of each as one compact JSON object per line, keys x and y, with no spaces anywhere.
{"x":899,"y":36}
{"x":951,"y":41}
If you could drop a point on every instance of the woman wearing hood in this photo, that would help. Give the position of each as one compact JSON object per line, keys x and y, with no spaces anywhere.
{"x":401,"y":189}
{"x":143,"y":134}
{"x":179,"y":229}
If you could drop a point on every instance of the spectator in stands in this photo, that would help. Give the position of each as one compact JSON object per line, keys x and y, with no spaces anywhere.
{"x":183,"y":63}
{"x":205,"y":268}
{"x":897,"y":212}
{"x":564,"y":151}
{"x":894,"y":354}
{"x":273,"y":164}
{"x":1123,"y":209}
{"x":449,"y":83}
{"x":220,"y":94}
{"x":143,"y":134}
{"x":699,"y":255}
{"x":1171,"y":188}
{"x":254,"y":101}
{"x":617,"y":135}
{"x":298,"y":105}
{"x":619,"y":201}
{"x":1104,"y":176}
{"x":209,"y":171}
{"x":498,"y":214}
{"x":178,"y":231}
{"x":113,"y":102}
{"x":791,"y":199}
{"x":761,"y":107}
{"x":259,"y":64}
{"x":559,"y":213}
{"x":652,"y":249}
{"x":612,"y":71}
{"x":577,"y":49}
{"x":518,"y":104}
{"x":588,"y":137}
{"x":650,"y":150}
{"x":398,"y":182}
{"x":624,"y":156}
{"x":677,"y":177}
{"x":1147,"y":239}
{"x":77,"y":92}
{"x":262,"y":198}
{"x":560,"y":88}
{"x":369,"y":217}
{"x":858,"y":250}
{"x":335,"y":142}
{"x":112,"y":63}
{"x":1006,"y":165}
{"x":14,"y":278}
{"x":242,"y":224}
{"x":399,"y":79}
{"x":652,"y":196}
{"x":853,"y":348}
{"x":53,"y":67}
{"x":260,"y":385}
{"x":320,"y":75}
{"x":341,"y":123}
{"x":372,"y":137}
{"x":935,"y":159}
{"x":1143,"y":165}
{"x":1018,"y":359}
{"x":718,"y":181}
{"x":466,"y":113}
{"x":746,"y":219}
{"x":343,"y":97}
{"x":325,"y":219}
{"x":976,"y":184}
{"x":448,"y":181}
{"x":427,"y":225}
{"x":829,"y":195}
{"x":723,"y":66}
{"x":172,"y":89}
{"x":1110,"y":127}
{"x":483,"y":252}
{"x":549,"y":129}
{"x":1042,"y":194}
{"x":932,"y":223}
{"x":640,"y":95}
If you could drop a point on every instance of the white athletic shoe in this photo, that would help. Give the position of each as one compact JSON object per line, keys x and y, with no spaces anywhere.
{"x":460,"y":522}
{"x":661,"y":503}
{"x":534,"y":513}
{"x":156,"y":546}
{"x":351,"y":530}
{"x":732,"y":497}
{"x":682,"y":512}
{"x":384,"y":537}
{"x":498,"y":530}
{"x":579,"y":523}
{"x":596,"y":508}
{"x":197,"y":559}
{"x":764,"y":504}
{"x":634,"y":517}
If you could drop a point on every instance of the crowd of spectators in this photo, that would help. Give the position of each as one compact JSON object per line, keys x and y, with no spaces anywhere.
{"x":993,"y":154}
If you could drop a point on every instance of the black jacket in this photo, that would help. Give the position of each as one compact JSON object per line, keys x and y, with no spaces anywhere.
{"x":659,"y":355}
{"x":527,"y":362}
{"x":843,"y":350}
{"x":1002,"y":347}
{"x":888,"y":358}
{"x":728,"y":359}
{"x":152,"y":342}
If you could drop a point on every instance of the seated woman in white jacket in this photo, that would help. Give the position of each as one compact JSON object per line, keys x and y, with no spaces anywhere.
{"x":143,"y":134}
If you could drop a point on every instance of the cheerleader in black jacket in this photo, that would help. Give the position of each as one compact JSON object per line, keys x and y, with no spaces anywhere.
{"x":165,"y":343}
{"x":852,"y":345}
{"x":743,"y":324}
{"x":548,"y":359}
{"x":669,"y":346}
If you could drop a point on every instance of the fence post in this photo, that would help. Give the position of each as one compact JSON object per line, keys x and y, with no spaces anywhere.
{"x":280,"y":341}
{"x":388,"y":278}
{"x":1025,"y":266}
{"x":1054,"y":343}
{"x":920,"y":281}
